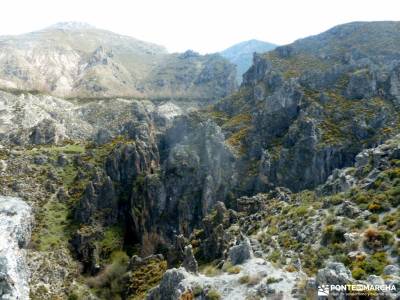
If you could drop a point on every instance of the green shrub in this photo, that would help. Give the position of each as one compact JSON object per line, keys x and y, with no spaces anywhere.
{"x":197,"y":290}
{"x":394,"y":196}
{"x":333,"y":235}
{"x":394,"y":173}
{"x":271,"y":280}
{"x":373,"y":218}
{"x":233,"y":270}
{"x":244,"y":279}
{"x":377,"y":239}
{"x":286,"y":241}
{"x":229,"y":268}
{"x":210,"y":270}
{"x":361,"y":198}
{"x":145,"y":276}
{"x":343,"y":258}
{"x":213,"y":295}
{"x":359,"y":223}
{"x":358,"y":273}
{"x":376,"y":263}
{"x":379,"y":203}
{"x":275,"y":256}
{"x":301,"y":211}
{"x":250,"y":279}
{"x":373,"y":264}
{"x":337,"y":199}
{"x":112,"y":241}
{"x":109,"y":282}
{"x":392,"y":220}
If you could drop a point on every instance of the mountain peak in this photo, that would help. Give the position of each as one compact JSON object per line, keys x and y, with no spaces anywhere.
{"x":241,"y":54}
{"x":71,"y":25}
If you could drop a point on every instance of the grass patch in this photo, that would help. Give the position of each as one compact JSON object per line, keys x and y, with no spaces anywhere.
{"x":52,"y":229}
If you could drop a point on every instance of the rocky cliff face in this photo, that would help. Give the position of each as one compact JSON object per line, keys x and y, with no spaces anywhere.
{"x":15,"y":230}
{"x":310,"y":107}
{"x":157,"y":191}
{"x":197,"y":170}
{"x":344,"y":232}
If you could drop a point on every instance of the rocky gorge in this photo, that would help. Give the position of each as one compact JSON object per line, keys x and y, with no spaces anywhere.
{"x":141,"y":174}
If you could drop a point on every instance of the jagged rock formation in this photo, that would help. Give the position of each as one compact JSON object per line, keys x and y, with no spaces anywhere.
{"x":15,"y":230}
{"x":158,"y":197}
{"x":197,"y":170}
{"x":37,"y":119}
{"x":238,"y":254}
{"x":308,"y":108}
{"x":189,"y":262}
{"x":255,"y":278}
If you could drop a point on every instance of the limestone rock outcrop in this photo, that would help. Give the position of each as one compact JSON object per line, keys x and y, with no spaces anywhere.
{"x":15,"y":229}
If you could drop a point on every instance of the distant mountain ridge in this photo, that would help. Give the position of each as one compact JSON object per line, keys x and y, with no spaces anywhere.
{"x":71,"y":26}
{"x":241,"y":54}
{"x":77,"y":60}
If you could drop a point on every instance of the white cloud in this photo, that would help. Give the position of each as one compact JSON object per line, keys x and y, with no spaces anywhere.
{"x":202,"y":25}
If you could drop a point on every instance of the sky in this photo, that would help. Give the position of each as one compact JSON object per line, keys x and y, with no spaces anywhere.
{"x":205,"y":26}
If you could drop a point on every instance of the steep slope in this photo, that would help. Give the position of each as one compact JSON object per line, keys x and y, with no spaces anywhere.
{"x":347,"y":232}
{"x":241,"y":54}
{"x":307,"y":108}
{"x":77,"y":60}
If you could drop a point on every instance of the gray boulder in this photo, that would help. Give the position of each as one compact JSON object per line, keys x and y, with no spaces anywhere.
{"x":240,"y":253}
{"x":15,"y":231}
{"x":189,"y":262}
{"x":350,"y":210}
{"x":340,"y":181}
{"x":171,"y":286}
{"x":334,"y":273}
{"x":45,"y":132}
{"x":40,"y":159}
{"x":375,"y":280}
{"x":62,"y":160}
{"x":392,"y":270}
{"x":103,"y":136}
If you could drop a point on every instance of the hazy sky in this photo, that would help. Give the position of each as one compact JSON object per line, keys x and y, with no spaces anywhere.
{"x":201,"y":25}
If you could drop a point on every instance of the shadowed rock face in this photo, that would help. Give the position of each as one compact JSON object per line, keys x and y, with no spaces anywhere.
{"x":15,"y":231}
{"x":197,"y":170}
{"x":158,"y":190}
